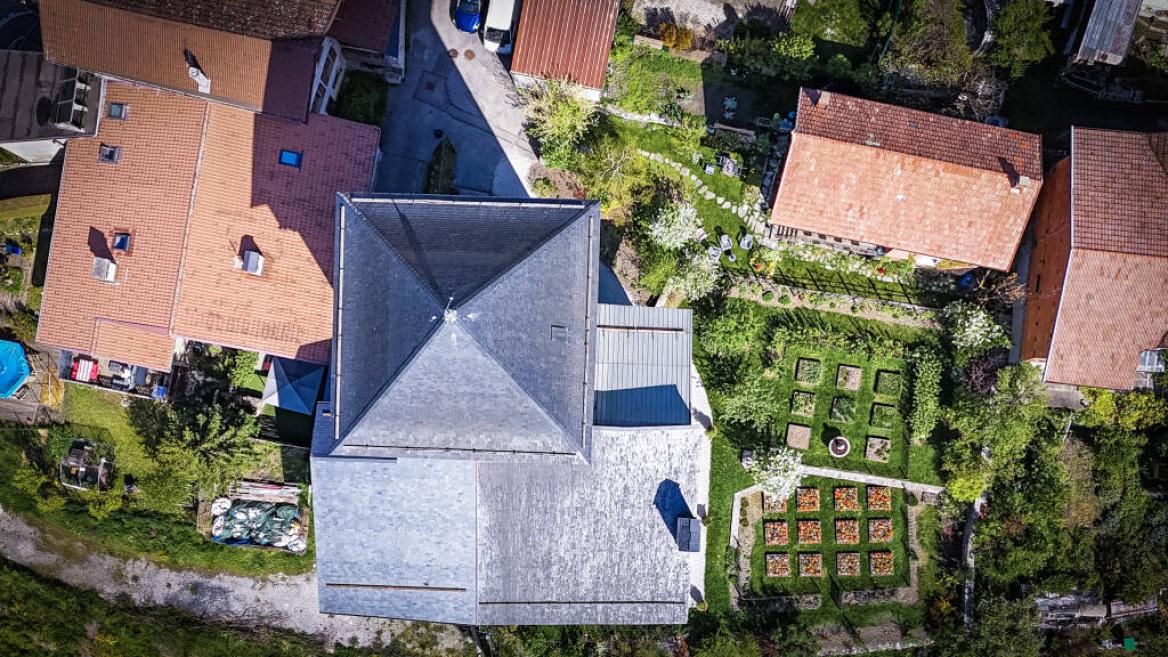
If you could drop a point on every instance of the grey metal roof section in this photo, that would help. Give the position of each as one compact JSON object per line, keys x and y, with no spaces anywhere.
{"x":643,"y":360}
{"x":591,"y":542}
{"x":504,"y":290}
{"x":395,"y":538}
{"x":1109,"y":31}
{"x":32,"y":88}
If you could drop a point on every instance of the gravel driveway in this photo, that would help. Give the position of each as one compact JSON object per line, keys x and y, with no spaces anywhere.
{"x":280,"y":601}
{"x":468,"y":97}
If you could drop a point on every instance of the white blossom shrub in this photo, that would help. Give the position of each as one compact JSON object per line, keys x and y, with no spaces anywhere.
{"x":777,"y":471}
{"x":675,"y":226}
{"x":972,"y":331}
{"x":698,"y":276}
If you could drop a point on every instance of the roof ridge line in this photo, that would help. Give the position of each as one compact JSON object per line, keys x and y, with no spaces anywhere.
{"x":438,"y":300}
{"x":482,"y":289}
{"x":182,"y":254}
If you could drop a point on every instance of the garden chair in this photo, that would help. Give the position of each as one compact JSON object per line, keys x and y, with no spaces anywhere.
{"x":747,"y":242}
{"x":725,"y":243}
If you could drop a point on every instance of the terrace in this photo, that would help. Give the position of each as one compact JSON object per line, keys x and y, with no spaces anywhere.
{"x":107,"y":374}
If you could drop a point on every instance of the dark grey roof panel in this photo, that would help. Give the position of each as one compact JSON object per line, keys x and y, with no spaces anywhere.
{"x":452,"y":396}
{"x":30,"y":87}
{"x":596,"y":533}
{"x":395,"y":538}
{"x":611,"y":613}
{"x":643,"y":366}
{"x":543,"y":336}
{"x":1109,"y":31}
{"x":458,"y":247}
{"x":384,"y":314}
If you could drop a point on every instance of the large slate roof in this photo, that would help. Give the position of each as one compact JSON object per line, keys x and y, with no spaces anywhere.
{"x":447,"y":485}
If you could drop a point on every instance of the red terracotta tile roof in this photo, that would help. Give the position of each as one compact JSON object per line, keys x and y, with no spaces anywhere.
{"x":192,"y":201}
{"x":909,"y":180}
{"x":1120,"y":191}
{"x":247,"y":71}
{"x":364,"y":24}
{"x":565,"y":39}
{"x":266,"y":19}
{"x":1118,"y":270}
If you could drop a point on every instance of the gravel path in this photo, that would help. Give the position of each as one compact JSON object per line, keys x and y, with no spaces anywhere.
{"x":288,"y":602}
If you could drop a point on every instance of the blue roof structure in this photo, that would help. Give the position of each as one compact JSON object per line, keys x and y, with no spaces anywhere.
{"x":13,"y":368}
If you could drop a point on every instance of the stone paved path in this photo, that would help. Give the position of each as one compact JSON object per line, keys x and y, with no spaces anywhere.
{"x":288,"y":602}
{"x":863,"y":478}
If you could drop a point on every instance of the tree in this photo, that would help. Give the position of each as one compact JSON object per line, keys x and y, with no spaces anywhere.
{"x":777,"y":471}
{"x":697,"y":277}
{"x":794,"y":56}
{"x":1020,"y":36}
{"x":560,"y":120}
{"x":1004,"y":628}
{"x":675,"y":225}
{"x":972,"y":331}
{"x":928,"y":42}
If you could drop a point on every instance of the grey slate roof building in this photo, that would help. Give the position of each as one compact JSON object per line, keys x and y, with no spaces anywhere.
{"x":499,"y":447}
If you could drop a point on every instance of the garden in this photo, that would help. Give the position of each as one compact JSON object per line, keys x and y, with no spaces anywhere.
{"x":831,"y":536}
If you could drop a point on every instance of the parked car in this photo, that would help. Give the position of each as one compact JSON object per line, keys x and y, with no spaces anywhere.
{"x":499,"y":30}
{"x":466,"y":15}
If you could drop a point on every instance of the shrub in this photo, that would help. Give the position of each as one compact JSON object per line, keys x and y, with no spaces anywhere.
{"x":675,"y":225}
{"x":777,"y":472}
{"x":972,"y":331}
{"x":675,"y":37}
{"x":753,"y":403}
{"x":544,"y":187}
{"x":658,"y":267}
{"x":697,"y":277}
{"x":362,"y":98}
{"x":1020,"y":36}
{"x":243,"y":368}
{"x":737,"y":331}
{"x":785,"y":300}
{"x":926,"y":372}
{"x":768,"y":296}
{"x":22,"y":324}
{"x":560,"y":120}
{"x":981,"y":375}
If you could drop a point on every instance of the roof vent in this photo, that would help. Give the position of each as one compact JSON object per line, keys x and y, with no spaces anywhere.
{"x":689,"y":534}
{"x":872,"y":140}
{"x":105,"y":269}
{"x":252,"y":262}
{"x":1023,"y":181}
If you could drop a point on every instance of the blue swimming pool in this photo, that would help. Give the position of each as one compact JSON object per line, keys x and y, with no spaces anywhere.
{"x":13,"y":368}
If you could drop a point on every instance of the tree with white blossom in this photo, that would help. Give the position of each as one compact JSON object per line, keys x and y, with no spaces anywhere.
{"x":675,"y":225}
{"x":777,"y":471}
{"x":698,"y":276}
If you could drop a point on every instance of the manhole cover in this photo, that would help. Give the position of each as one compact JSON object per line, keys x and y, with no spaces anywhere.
{"x":469,"y":54}
{"x":453,"y":53}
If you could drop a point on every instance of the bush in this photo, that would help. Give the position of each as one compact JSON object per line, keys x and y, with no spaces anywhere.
{"x":560,"y":120}
{"x":768,"y":296}
{"x":675,"y":225}
{"x":926,"y":371}
{"x":243,"y":368}
{"x":1020,"y":36}
{"x":928,"y":42}
{"x":697,"y":277}
{"x":972,"y":331}
{"x":22,"y":324}
{"x":362,"y":98}
{"x":754,"y":402}
{"x":675,"y":37}
{"x":737,"y":331}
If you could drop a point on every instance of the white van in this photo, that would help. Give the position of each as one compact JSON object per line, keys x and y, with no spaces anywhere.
{"x":499,"y":30}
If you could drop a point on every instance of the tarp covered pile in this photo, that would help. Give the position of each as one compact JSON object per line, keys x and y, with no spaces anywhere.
{"x":244,"y":522}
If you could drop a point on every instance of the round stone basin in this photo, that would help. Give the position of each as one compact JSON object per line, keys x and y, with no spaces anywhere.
{"x":839,"y":447}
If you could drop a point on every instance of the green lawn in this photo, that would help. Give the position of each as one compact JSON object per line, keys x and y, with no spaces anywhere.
{"x":726,"y":478}
{"x":831,"y":583}
{"x":642,"y":78}
{"x":103,"y":411}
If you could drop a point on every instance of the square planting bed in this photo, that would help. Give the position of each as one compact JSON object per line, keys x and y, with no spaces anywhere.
{"x":848,"y":377}
{"x":773,"y":504}
{"x":877,"y":449}
{"x":775,"y":532}
{"x":807,"y":371}
{"x":847,"y":531}
{"x":803,"y":403}
{"x":810,"y":532}
{"x":810,"y":564}
{"x":847,"y":498}
{"x":884,"y":416}
{"x":843,"y":409}
{"x":798,"y":435}
{"x":778,"y":564}
{"x":888,"y":383}
{"x":807,"y":500}
{"x":847,"y":564}
{"x":880,"y":530}
{"x":879,"y":498}
{"x":881,"y":564}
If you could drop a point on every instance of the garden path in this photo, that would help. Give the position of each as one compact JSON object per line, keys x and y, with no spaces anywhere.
{"x":288,"y":602}
{"x":847,"y":475}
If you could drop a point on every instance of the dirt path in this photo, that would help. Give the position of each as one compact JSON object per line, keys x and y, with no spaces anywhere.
{"x":288,"y":602}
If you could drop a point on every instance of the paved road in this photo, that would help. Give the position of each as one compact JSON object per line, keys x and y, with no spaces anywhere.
{"x":282,"y":601}
{"x":470,"y":98}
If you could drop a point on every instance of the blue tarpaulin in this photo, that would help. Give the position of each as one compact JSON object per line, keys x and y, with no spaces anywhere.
{"x":13,"y":368}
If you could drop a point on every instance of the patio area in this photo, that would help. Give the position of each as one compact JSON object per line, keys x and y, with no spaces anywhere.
{"x":108,"y":374}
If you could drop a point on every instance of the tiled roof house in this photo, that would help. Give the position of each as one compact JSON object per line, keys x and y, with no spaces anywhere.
{"x":501,"y":448}
{"x":1099,"y":272}
{"x":157,"y":211}
{"x":907,"y":183}
{"x":565,"y":40}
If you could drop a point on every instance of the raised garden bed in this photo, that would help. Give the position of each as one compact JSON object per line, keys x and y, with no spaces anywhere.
{"x":778,"y":564}
{"x":807,"y":499}
{"x":798,"y":436}
{"x":772,"y":504}
{"x":879,"y":498}
{"x":880,"y":530}
{"x":776,"y":532}
{"x":888,"y":383}
{"x":847,"y":564}
{"x":881,"y":563}
{"x":803,"y":403}
{"x":847,"y":498}
{"x":810,"y":564}
{"x":848,"y":377}
{"x":884,"y":416}
{"x":877,"y":449}
{"x":847,"y":531}
{"x":843,"y":410}
{"x":807,"y":371}
{"x":810,"y":532}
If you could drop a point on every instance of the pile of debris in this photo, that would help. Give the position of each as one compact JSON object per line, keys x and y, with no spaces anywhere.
{"x":253,"y":522}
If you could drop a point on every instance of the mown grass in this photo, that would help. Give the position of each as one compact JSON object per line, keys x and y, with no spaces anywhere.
{"x":642,"y":78}
{"x":24,"y":212}
{"x":726,"y":478}
{"x":90,"y":407}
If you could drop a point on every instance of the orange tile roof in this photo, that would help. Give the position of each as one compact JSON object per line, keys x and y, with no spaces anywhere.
{"x":1118,"y":269}
{"x":190,"y":200}
{"x":565,"y":39}
{"x":146,"y":194}
{"x":909,"y":180}
{"x":267,"y":19}
{"x":250,"y":72}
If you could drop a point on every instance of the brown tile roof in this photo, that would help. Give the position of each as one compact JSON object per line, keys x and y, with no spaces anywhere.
{"x":909,"y":180}
{"x":145,"y":194}
{"x":565,"y":39}
{"x":1110,"y":311}
{"x":245,"y":198}
{"x":251,"y":72}
{"x":1117,"y":275}
{"x":1120,"y":191}
{"x":365,"y":24}
{"x":265,"y":19}
{"x":191,"y":201}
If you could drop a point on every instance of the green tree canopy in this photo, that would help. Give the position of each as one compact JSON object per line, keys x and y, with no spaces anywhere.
{"x":1020,"y":36}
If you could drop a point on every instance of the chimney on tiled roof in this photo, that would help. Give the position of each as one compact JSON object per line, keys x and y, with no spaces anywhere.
{"x":196,"y":72}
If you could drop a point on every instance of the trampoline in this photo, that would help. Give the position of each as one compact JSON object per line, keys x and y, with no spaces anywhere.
{"x":13,"y":368}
